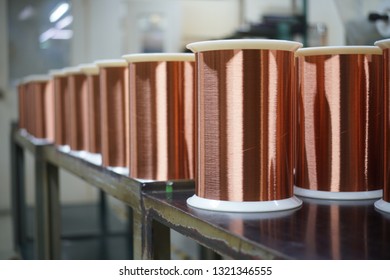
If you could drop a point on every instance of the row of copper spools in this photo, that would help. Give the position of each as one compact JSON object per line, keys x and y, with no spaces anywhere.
{"x":252,"y":121}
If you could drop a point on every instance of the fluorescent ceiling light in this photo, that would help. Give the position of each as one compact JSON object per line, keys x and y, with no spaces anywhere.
{"x":66,"y":21}
{"x":63,"y":34}
{"x":59,"y":12}
{"x":46,"y":35}
{"x":52,"y":33}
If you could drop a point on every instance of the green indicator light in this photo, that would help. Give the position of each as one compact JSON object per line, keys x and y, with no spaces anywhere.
{"x":169,"y":187}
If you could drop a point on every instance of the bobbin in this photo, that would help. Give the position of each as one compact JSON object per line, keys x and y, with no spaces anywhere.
{"x":92,"y":111}
{"x":114,"y":100}
{"x":162,"y":116}
{"x":39,"y":108}
{"x":339,"y":124}
{"x":245,"y":124}
{"x":78,"y":110}
{"x":61,"y":110}
{"x":22,"y":106}
{"x":384,"y":203}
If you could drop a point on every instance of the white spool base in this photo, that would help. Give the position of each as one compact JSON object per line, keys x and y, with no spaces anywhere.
{"x":38,"y":141}
{"x":245,"y":206}
{"x":79,"y":154}
{"x":338,"y":195}
{"x":120,"y":170}
{"x":382,"y":205}
{"x":64,"y":148}
{"x":95,"y":159}
{"x":33,"y":139}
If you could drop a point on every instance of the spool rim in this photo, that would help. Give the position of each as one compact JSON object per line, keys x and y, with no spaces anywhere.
{"x":71,"y":70}
{"x":338,"y":195}
{"x":234,"y":44}
{"x":57,"y":73}
{"x":119,"y":169}
{"x":89,"y":69}
{"x":382,"y":205}
{"x":338,"y":50}
{"x":383,"y":44}
{"x":158,"y":57}
{"x":36,"y":78}
{"x":111,"y":63}
{"x":244,"y":207}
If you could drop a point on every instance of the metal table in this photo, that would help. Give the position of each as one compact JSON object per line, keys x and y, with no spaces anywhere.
{"x":47,"y":161}
{"x":320,"y":229}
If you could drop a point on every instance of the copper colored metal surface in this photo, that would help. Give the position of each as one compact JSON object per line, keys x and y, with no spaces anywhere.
{"x":22,"y":108}
{"x":162,"y":120}
{"x":61,"y":99}
{"x":114,"y":116}
{"x":245,"y":124}
{"x":39,"y":109}
{"x":77,"y":84}
{"x":49,"y":111}
{"x":340,"y":123}
{"x":386,"y":90}
{"x":93,"y":97}
{"x":30,"y":116}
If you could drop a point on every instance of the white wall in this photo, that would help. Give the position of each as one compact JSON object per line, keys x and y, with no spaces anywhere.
{"x":7,"y":111}
{"x":208,"y":19}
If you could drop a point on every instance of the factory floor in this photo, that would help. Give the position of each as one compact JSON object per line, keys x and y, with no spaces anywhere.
{"x":6,"y":240}
{"x":82,"y":236}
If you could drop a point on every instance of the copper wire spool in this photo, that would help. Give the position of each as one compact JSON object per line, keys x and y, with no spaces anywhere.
{"x":93,"y":107}
{"x":114,"y":101}
{"x":340,"y":123}
{"x":77,"y":86}
{"x":245,"y":122}
{"x":22,"y":106}
{"x":61,"y":108}
{"x":162,"y":116}
{"x":29,"y":93}
{"x":39,"y":107}
{"x":384,"y":203}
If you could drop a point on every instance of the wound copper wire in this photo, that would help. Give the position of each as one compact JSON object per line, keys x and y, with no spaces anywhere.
{"x":385,"y":45}
{"x":22,"y":106}
{"x":340,"y":121}
{"x":78,"y":117}
{"x":114,"y":115}
{"x":94,"y":114}
{"x":162,"y":116}
{"x":39,"y":107}
{"x":30,"y":115}
{"x":61,"y":108}
{"x":92,"y":107}
{"x":245,"y":120}
{"x":49,"y":111}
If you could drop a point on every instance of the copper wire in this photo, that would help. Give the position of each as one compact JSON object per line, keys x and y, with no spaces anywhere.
{"x":386,"y":90}
{"x":77,"y":84}
{"x":340,"y":123}
{"x":114,"y":116}
{"x":62,"y":124}
{"x":162,"y":120}
{"x":94,"y":134}
{"x":38,"y":108}
{"x":30,"y":116}
{"x":245,"y":124}
{"x":49,"y":111}
{"x":22,"y":106}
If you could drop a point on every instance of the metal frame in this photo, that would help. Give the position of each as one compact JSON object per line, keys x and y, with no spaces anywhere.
{"x":48,"y":160}
{"x":318,"y":230}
